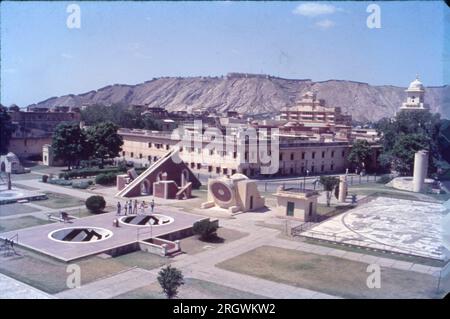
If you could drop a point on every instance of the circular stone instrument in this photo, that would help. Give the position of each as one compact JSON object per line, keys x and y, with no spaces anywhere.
{"x":80,"y":234}
{"x":146,"y":220}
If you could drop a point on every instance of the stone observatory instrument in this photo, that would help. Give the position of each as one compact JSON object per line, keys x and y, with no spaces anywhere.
{"x":236,"y":194}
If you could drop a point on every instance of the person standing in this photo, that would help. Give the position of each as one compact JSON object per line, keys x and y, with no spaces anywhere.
{"x":130,"y":206}
{"x":119,"y":208}
{"x":152,"y":205}
{"x":142,"y":207}
{"x":126,"y":208}
{"x":135,"y":207}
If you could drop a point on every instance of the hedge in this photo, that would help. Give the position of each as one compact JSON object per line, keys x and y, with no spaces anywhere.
{"x":87,"y":172}
{"x":105,"y":179}
{"x":81,"y":184}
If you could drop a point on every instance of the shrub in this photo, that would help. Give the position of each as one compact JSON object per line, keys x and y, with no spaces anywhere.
{"x":105,"y":179}
{"x":205,"y":229}
{"x":80,"y":184}
{"x":44,"y":178}
{"x":88,"y":172}
{"x":384,"y":179}
{"x":60,"y":182}
{"x":95,"y":204}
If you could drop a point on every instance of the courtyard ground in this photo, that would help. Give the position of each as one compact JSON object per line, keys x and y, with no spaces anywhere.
{"x":254,"y":260}
{"x":192,"y":289}
{"x":193,"y":245}
{"x":49,"y":275}
{"x":329,"y":274}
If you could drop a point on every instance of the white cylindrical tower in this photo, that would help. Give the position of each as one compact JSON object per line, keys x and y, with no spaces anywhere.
{"x":342,"y":188}
{"x":420,"y":170}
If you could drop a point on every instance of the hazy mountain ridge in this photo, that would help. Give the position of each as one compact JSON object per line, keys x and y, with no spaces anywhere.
{"x":255,"y":94}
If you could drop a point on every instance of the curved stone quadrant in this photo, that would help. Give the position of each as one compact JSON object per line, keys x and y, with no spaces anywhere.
{"x":146,"y":220}
{"x":80,"y":234}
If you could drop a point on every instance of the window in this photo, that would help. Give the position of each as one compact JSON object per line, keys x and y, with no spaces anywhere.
{"x":343,"y":153}
{"x":281,"y":156}
{"x":323,"y":154}
{"x":291,"y":170}
{"x":167,"y":146}
{"x":332,"y":153}
{"x":140,"y":155}
{"x":211,"y":152}
{"x":225,"y":171}
{"x":155,"y":158}
{"x":303,"y":169}
{"x":246,"y":156}
{"x":149,"y":145}
{"x":199,"y":166}
{"x":312,"y":169}
{"x":234,"y":154}
{"x":217,"y":170}
{"x":332,"y":167}
{"x":292,"y":156}
{"x":210,"y":168}
{"x":322,"y":168}
{"x":123,"y":153}
{"x":131,"y":154}
{"x":233,"y":171}
{"x":303,"y":155}
{"x":313,"y":155}
{"x":192,"y":165}
{"x":149,"y":158}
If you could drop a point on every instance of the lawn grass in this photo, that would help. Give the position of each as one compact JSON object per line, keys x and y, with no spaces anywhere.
{"x":20,"y":222}
{"x":15,"y":209}
{"x":192,"y":289}
{"x":193,"y":245}
{"x":58,"y":200}
{"x":331,"y":275}
{"x":49,"y":275}
{"x":142,"y":260}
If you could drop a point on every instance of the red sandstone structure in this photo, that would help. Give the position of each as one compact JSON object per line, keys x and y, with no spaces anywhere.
{"x":168,"y":178}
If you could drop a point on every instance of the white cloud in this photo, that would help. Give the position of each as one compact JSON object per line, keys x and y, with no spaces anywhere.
{"x":324,"y":24}
{"x":314,"y":9}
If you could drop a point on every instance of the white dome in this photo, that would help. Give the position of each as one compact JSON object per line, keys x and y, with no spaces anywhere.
{"x":415,"y":85}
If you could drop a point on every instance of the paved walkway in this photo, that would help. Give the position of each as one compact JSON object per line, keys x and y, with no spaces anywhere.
{"x":14,"y":289}
{"x":111,"y":286}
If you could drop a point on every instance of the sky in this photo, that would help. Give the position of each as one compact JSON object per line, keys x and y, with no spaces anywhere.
{"x":132,"y":42}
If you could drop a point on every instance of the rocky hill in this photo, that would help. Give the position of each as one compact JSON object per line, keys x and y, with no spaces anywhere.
{"x":255,"y":94}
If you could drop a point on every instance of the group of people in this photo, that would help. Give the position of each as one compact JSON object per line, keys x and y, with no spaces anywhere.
{"x":131,"y":208}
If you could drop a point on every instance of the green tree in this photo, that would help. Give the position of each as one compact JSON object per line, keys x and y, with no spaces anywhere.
{"x":104,"y":141}
{"x":95,"y":204}
{"x":6,"y":130}
{"x":412,"y":131}
{"x":205,"y":229}
{"x":170,"y":279}
{"x":360,"y":154}
{"x":69,"y":143}
{"x":329,"y":183}
{"x":401,"y":157}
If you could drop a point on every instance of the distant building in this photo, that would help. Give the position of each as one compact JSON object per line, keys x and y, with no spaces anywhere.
{"x":415,"y":99}
{"x":34,"y":128}
{"x":311,"y":110}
